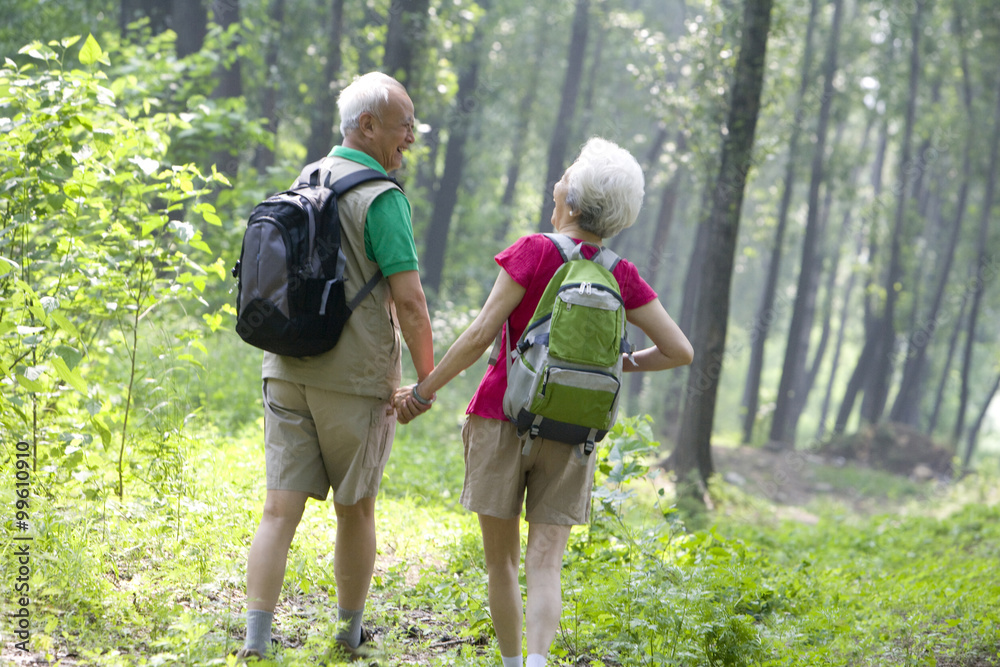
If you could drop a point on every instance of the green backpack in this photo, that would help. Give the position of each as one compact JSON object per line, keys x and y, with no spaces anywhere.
{"x":564,"y":374}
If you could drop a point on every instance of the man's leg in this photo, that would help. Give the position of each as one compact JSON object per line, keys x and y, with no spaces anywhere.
{"x":542,"y":566}
{"x":266,"y":563}
{"x":502,"y":552}
{"x":353,"y":563}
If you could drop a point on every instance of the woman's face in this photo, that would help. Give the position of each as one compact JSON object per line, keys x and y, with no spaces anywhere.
{"x":560,"y":213}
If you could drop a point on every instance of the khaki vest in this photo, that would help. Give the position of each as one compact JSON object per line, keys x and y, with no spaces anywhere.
{"x":367,"y":359}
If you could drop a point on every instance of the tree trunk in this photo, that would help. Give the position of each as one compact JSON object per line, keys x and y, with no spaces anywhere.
{"x":405,"y":37}
{"x":321,"y":136}
{"x":189,"y":20}
{"x":519,"y":135}
{"x":567,"y":107}
{"x":970,"y":446}
{"x":157,"y":11}
{"x":946,"y":370}
{"x":766,"y":312}
{"x":808,"y":379}
{"x":981,"y":264}
{"x":658,"y":256}
{"x":692,"y":459}
{"x":782,"y":431}
{"x":859,"y":377}
{"x":906,"y":409}
{"x":466,"y":104}
{"x":264,"y":155}
{"x":882,"y":368}
{"x":848,"y":290}
{"x":226,"y":13}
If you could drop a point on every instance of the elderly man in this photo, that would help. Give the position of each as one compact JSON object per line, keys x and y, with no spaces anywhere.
{"x":328,"y":420}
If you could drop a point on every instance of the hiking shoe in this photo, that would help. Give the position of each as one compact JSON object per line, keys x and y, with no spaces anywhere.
{"x":249,"y":655}
{"x":253,"y":655}
{"x":364,"y":650}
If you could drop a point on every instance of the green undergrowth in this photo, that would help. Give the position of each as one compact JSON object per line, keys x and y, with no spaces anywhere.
{"x":157,"y":578}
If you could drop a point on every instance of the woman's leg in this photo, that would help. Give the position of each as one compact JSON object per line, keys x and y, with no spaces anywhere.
{"x":502,"y":551}
{"x":269,"y":551}
{"x":542,"y":566}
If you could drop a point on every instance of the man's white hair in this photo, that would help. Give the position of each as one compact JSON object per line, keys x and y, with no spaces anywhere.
{"x":366,"y":94}
{"x":606,"y":186}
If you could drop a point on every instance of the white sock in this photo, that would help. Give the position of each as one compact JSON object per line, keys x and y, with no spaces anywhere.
{"x":535,"y":660}
{"x":516,"y":661}
{"x":351,"y":625}
{"x":259,"y":630}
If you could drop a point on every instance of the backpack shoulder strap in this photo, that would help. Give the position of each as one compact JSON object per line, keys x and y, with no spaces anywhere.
{"x":356,"y":178}
{"x":567,"y":247}
{"x":563,"y":243}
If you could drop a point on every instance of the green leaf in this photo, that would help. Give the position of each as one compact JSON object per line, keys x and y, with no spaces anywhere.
{"x":91,"y":52}
{"x":30,"y":385}
{"x":70,"y":377}
{"x":64,"y":323}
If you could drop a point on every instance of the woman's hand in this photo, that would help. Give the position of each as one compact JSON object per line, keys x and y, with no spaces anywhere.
{"x":406,"y":405}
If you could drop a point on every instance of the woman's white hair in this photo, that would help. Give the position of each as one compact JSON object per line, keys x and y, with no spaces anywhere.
{"x":606,"y":186}
{"x":366,"y":94}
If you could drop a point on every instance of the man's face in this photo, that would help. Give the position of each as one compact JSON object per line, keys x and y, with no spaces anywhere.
{"x":394,"y":133}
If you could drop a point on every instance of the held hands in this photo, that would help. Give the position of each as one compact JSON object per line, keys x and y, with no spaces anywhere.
{"x":408,"y":405}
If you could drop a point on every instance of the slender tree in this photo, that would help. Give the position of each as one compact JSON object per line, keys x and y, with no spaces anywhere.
{"x":878,"y":389}
{"x":322,"y":116}
{"x":692,"y":459}
{"x":405,"y":37}
{"x":189,"y":19}
{"x":519,"y":136}
{"x":263,"y":154}
{"x":466,"y":104}
{"x":782,"y":424}
{"x":567,"y":107}
{"x":907,"y":405}
{"x":980,"y":283}
{"x":766,"y":311}
{"x":973,"y":436}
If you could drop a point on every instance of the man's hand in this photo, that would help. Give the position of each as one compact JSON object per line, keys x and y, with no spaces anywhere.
{"x":407,"y":406}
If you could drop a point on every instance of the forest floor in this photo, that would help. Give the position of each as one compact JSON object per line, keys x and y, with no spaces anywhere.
{"x":793,"y":485}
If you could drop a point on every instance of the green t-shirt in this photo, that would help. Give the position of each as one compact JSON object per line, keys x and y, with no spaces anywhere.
{"x":388,"y":228}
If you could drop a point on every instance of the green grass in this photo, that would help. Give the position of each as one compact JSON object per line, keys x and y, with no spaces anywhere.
{"x":157,"y":579}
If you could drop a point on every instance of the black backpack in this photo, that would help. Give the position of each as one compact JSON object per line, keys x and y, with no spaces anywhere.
{"x":290,"y":296}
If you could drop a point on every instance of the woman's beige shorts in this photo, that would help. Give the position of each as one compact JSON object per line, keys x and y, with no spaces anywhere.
{"x":315,"y":440}
{"x":557,"y":479}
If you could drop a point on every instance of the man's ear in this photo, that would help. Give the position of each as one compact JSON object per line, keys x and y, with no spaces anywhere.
{"x":366,"y":123}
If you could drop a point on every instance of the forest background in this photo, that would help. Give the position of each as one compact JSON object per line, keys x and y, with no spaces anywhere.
{"x":819,"y":221}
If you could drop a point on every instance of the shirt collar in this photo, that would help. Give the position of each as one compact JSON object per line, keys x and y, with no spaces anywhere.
{"x":357,"y":156}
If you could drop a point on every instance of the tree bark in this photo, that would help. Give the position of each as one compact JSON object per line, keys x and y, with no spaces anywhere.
{"x":848,"y":291}
{"x":906,"y":409}
{"x":567,"y":107}
{"x":405,"y":37}
{"x":782,"y":429}
{"x":321,"y":135}
{"x":692,"y":459}
{"x":973,"y":437}
{"x":766,"y":311}
{"x":946,"y":370}
{"x":466,"y":104}
{"x":519,"y":136}
{"x":189,"y":20}
{"x":982,"y":266}
{"x":882,"y":368}
{"x":264,"y":155}
{"x":859,"y":376}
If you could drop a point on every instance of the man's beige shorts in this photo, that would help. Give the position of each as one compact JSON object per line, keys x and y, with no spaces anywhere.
{"x":315,"y":440}
{"x":557,"y":479}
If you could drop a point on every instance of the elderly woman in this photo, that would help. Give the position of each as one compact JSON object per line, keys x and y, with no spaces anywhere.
{"x":598,"y":196}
